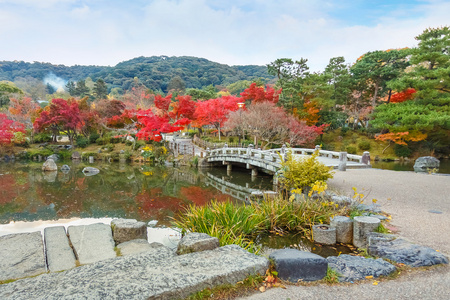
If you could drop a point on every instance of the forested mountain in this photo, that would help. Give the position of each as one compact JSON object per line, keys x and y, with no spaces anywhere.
{"x":154,"y":72}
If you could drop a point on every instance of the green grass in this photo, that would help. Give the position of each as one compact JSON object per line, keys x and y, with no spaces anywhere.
{"x":332,"y":276}
{"x":382,"y":229}
{"x":239,"y":224}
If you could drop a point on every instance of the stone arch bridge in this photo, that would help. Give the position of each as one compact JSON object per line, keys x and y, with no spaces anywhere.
{"x":269,"y":161}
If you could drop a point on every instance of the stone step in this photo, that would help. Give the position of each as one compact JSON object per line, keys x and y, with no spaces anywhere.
{"x":92,"y":243}
{"x":21,"y":255}
{"x":59,"y":254}
{"x":155,"y":274}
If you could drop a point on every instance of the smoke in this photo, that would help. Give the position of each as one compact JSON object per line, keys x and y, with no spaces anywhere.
{"x":56,"y":82}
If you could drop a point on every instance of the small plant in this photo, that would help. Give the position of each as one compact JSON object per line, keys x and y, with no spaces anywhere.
{"x":351,"y":149}
{"x":82,"y":142}
{"x":332,"y":276}
{"x":305,"y":172}
{"x":364,"y":145}
{"x":382,"y":229}
{"x":93,"y":137}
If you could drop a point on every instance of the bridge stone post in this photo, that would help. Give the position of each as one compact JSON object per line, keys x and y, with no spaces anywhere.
{"x":317,"y":148}
{"x":342,"y":161}
{"x":365,"y":159}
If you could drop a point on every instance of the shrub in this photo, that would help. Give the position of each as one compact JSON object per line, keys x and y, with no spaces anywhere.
{"x":139,"y":143}
{"x":304,"y":172}
{"x":103,"y":141}
{"x":364,"y":145}
{"x":114,"y":140}
{"x":42,"y":138}
{"x":351,"y":149}
{"x":85,"y":155}
{"x":344,"y":130}
{"x":108,"y":147}
{"x":82,"y":142}
{"x":93,"y":137}
{"x":231,"y":139}
{"x":65,"y":154}
{"x":402,"y":150}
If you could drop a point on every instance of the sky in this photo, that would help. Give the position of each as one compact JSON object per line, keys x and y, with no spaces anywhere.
{"x":234,"y":32}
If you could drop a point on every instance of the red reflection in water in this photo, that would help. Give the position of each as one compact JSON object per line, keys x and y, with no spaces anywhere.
{"x":200,"y":196}
{"x":9,"y":188}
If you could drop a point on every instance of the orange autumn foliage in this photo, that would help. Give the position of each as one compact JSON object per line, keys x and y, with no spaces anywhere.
{"x":401,"y":138}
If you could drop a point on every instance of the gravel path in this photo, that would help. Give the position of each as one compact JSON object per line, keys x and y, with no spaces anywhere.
{"x":413,"y":200}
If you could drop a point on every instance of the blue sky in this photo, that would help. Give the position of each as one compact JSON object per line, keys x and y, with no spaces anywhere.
{"x":106,"y":32}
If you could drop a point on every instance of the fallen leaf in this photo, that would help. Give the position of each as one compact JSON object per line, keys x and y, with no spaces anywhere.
{"x":375,"y":283}
{"x":369,"y":277}
{"x":262,"y":289}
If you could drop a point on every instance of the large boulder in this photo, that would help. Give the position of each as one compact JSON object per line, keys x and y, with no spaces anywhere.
{"x":128,"y":229}
{"x":196,"y":242}
{"x":401,"y":251}
{"x":426,"y":162}
{"x":294,"y":265}
{"x":49,"y":165}
{"x":352,"y":268}
{"x":154,"y":274}
{"x":21,"y":255}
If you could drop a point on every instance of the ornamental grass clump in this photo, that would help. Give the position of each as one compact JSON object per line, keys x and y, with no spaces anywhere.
{"x":240,"y":224}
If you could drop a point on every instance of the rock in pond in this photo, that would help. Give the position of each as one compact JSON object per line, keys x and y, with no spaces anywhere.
{"x":49,"y":165}
{"x":195,"y":242}
{"x":90,"y":171}
{"x":426,"y":162}
{"x":55,"y":157}
{"x":128,"y":229}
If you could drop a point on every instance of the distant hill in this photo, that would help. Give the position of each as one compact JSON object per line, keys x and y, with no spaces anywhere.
{"x":154,"y":72}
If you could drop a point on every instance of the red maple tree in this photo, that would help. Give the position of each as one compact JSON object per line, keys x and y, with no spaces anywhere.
{"x":61,"y":115}
{"x":257,"y":94}
{"x":8,"y":128}
{"x":215,"y":111}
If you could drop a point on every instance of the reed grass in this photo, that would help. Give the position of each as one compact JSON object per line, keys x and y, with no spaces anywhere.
{"x":239,"y":224}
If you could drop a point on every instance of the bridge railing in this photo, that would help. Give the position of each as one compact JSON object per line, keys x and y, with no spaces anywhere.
{"x":273,"y":155}
{"x":246,"y":152}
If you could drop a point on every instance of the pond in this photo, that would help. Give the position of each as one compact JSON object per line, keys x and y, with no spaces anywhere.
{"x":31,"y":200}
{"x":444,"y":167}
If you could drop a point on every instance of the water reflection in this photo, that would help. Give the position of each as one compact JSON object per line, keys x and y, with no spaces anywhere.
{"x":119,"y":191}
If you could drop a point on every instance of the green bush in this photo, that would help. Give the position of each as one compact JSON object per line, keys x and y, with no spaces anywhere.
{"x":231,"y":139}
{"x":65,"y":154}
{"x":351,"y":149}
{"x":402,"y":150}
{"x":108,"y":147}
{"x":93,"y":137}
{"x":42,"y":138}
{"x":82,"y":142}
{"x":85,"y":155}
{"x":139,"y":143}
{"x":364,"y":145}
{"x":114,"y":140}
{"x":103,"y":141}
{"x":344,"y":130}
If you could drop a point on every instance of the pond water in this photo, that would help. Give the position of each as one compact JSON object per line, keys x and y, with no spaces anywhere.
{"x":444,"y":167}
{"x":31,"y":200}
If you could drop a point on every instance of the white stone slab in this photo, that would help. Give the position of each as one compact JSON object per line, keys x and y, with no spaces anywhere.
{"x":92,"y":243}
{"x":59,"y":254}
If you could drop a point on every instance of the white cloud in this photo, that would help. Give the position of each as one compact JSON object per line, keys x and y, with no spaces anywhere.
{"x":234,"y":32}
